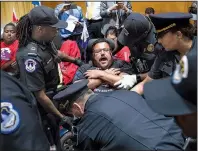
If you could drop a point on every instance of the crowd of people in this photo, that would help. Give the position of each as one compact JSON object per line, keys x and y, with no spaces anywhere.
{"x":131,"y":86}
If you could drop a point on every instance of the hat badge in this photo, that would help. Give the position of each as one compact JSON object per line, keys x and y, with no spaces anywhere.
{"x":150,"y":48}
{"x":181,"y":71}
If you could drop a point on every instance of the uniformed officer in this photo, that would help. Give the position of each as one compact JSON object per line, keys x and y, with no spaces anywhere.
{"x":138,"y":33}
{"x":118,"y":120}
{"x":37,"y":58}
{"x":175,"y":34}
{"x":21,"y":127}
{"x":177,"y":96}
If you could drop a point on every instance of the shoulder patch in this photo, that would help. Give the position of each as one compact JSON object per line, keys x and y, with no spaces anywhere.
{"x":10,"y":120}
{"x":30,"y":65}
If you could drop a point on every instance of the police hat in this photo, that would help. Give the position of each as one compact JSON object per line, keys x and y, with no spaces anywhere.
{"x":176,"y":95}
{"x":135,"y":28}
{"x":91,"y":42}
{"x":72,"y":92}
{"x":166,"y":21}
{"x":42,"y":15}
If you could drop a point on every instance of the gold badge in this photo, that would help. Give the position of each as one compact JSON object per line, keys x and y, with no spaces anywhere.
{"x":150,"y":48}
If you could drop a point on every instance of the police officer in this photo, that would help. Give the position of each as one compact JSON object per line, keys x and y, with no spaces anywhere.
{"x":37,"y":58}
{"x":175,"y":34}
{"x":138,"y":33}
{"x":21,"y":127}
{"x":118,"y":120}
{"x":181,"y":101}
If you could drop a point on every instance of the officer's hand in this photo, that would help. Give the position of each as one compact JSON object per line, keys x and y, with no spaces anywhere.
{"x":138,"y":88}
{"x":126,"y":82}
{"x":113,"y":71}
{"x":66,"y":122}
{"x":93,"y":74}
{"x":78,"y":62}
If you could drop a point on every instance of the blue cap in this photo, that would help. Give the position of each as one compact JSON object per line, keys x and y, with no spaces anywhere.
{"x":72,"y":92}
{"x":165,"y":21}
{"x":136,"y":28}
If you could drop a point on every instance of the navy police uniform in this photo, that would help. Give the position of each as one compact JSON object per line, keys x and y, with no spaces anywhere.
{"x":138,"y":33}
{"x":166,"y":61}
{"x":121,"y":120}
{"x":181,"y":88}
{"x":37,"y":60}
{"x":21,"y":127}
{"x":38,"y":65}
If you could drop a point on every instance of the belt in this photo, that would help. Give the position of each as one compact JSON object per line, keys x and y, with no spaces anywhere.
{"x":94,"y":21}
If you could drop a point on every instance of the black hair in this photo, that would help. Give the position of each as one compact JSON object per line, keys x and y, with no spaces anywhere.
{"x":149,"y":10}
{"x":100,"y":40}
{"x":187,"y":30}
{"x":24,"y":30}
{"x":111,"y":30}
{"x":9,"y":24}
{"x":193,"y":8}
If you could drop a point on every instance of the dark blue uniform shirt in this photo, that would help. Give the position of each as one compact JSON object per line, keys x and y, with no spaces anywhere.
{"x":21,"y":127}
{"x":122,"y":120}
{"x":165,"y":62}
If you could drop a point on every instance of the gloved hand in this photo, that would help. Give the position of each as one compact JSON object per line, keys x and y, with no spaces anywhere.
{"x":126,"y":82}
{"x":78,"y":62}
{"x":66,"y":122}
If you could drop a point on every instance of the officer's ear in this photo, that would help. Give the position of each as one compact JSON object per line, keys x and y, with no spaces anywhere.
{"x":39,"y":28}
{"x":77,"y":109}
{"x":179,"y":35}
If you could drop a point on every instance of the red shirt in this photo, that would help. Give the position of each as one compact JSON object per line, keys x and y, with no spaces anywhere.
{"x":123,"y":54}
{"x":8,"y":52}
{"x":69,"y":69}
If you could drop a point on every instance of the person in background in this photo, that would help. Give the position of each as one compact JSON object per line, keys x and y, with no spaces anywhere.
{"x":63,"y":12}
{"x":149,"y":10}
{"x":94,"y":20}
{"x":124,"y":53}
{"x":193,"y":11}
{"x":9,"y":47}
{"x":68,"y":69}
{"x":114,"y":13}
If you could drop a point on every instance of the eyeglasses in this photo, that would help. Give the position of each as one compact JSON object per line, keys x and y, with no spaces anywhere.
{"x":98,"y":51}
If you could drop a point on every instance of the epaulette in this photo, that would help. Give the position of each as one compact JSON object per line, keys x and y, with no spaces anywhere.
{"x":32,"y":47}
